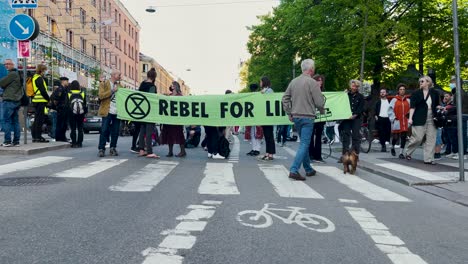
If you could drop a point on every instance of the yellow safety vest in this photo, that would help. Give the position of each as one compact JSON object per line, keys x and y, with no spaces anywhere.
{"x":38,"y":98}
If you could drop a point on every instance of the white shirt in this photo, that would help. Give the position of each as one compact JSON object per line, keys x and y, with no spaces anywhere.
{"x":384,"y":105}
{"x":113,"y":103}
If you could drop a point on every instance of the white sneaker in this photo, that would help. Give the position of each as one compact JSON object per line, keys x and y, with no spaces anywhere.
{"x":455,"y":156}
{"x":217,"y":156}
{"x":465,"y":156}
{"x":210,"y":155}
{"x":449,"y":156}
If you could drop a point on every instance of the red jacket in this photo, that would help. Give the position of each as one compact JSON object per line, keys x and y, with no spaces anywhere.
{"x":399,"y":108}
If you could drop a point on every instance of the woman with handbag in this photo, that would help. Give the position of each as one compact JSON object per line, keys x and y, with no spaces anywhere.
{"x":423,"y":106}
{"x":398,"y":113}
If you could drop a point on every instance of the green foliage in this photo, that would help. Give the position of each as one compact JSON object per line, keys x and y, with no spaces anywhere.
{"x":333,"y":31}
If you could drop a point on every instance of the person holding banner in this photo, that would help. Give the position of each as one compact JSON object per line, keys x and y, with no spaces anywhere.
{"x":315,"y":148}
{"x":254,"y":133}
{"x":300,"y":101}
{"x":174,"y":134}
{"x":268,"y":130}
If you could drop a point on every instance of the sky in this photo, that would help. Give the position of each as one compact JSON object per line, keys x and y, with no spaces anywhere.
{"x":202,"y":44}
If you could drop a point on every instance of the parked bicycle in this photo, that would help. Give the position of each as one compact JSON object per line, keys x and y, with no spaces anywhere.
{"x":264,"y":218}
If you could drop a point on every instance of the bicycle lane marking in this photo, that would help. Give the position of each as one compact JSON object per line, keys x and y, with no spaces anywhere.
{"x":361,"y":186}
{"x":277,"y":175}
{"x":181,"y":236}
{"x":389,"y":244}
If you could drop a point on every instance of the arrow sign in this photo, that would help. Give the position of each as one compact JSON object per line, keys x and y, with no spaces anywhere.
{"x":25,"y":30}
{"x":22,"y":27}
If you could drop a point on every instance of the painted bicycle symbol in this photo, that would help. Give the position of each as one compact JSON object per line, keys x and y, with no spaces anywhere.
{"x":264,"y":218}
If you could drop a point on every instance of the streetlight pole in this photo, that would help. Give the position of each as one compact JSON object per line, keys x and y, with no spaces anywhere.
{"x":456,"y":45}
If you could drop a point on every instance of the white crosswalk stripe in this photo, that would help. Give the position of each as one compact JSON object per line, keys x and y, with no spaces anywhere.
{"x":219,"y":180}
{"x":359,"y":185}
{"x":146,"y":179}
{"x":234,"y":155}
{"x":277,"y":175}
{"x":421,"y":174}
{"x":91,"y":169}
{"x":31,"y":164}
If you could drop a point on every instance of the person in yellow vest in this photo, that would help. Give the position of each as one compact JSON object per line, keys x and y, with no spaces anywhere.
{"x":78,"y":110}
{"x":108,"y":111}
{"x":40,"y":100}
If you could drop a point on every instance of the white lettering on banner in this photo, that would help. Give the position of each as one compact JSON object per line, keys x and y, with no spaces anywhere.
{"x":263,"y":218}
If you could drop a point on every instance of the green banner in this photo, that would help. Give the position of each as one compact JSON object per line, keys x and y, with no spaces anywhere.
{"x":243,"y":109}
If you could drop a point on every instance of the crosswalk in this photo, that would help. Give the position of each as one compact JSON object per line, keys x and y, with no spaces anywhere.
{"x":218,"y":178}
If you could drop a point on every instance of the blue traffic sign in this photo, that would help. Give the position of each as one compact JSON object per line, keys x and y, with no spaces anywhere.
{"x":22,"y":27}
{"x":31,"y":4}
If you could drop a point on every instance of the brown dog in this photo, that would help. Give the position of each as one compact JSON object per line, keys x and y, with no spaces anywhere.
{"x":350,"y":158}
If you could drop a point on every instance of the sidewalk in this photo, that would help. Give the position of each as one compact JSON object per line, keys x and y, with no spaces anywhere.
{"x":440,"y":180}
{"x":31,"y":148}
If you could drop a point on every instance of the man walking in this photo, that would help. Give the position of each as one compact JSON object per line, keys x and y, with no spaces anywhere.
{"x":300,"y":101}
{"x":383,"y":122}
{"x":12,"y":94}
{"x":108,"y":111}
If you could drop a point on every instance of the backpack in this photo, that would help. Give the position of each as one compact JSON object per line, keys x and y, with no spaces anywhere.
{"x":223,"y":147}
{"x":30,"y":87}
{"x":77,"y":103}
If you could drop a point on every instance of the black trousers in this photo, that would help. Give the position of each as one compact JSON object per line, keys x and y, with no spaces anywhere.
{"x":350,"y":130}
{"x":76,"y":127}
{"x":39,"y":118}
{"x":136,"y":134}
{"x":315,"y":147}
{"x":269,"y":139}
{"x":62,"y":123}
{"x":282,"y":133}
{"x":212,"y":139}
{"x":146,"y":129}
{"x":385,"y":129}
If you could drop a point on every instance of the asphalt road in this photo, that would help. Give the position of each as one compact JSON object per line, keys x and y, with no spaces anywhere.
{"x":128,"y":209}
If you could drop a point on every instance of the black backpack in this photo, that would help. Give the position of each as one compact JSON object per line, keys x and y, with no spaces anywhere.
{"x":223,"y":147}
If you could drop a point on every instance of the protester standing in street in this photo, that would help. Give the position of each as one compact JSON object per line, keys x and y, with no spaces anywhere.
{"x":254,"y":133}
{"x":145,"y":142}
{"x":174,"y":134}
{"x":315,"y":147}
{"x":108,"y":111}
{"x":60,"y":102}
{"x":12,"y":93}
{"x":301,"y":101}
{"x":398,"y":114}
{"x":423,"y":106}
{"x":40,"y":100}
{"x":265,"y":85}
{"x":382,"y":120}
{"x":77,"y":111}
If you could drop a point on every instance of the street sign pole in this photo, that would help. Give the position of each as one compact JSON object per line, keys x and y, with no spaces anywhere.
{"x":456,"y":45}
{"x":25,"y":109}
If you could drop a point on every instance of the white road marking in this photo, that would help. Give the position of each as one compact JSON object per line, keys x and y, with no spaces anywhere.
{"x":180,"y":237}
{"x":145,"y":179}
{"x":389,"y":244}
{"x":359,"y":185}
{"x":219,"y":180}
{"x":90,"y":169}
{"x":290,"y":151}
{"x":277,"y":175}
{"x":234,"y":155}
{"x":348,"y":201}
{"x":421,"y":174}
{"x":30,"y":164}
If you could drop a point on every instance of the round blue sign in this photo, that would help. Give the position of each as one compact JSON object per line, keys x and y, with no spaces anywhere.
{"x":22,"y":27}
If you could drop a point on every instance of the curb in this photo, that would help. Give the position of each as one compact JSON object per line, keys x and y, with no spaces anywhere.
{"x":32,"y":151}
{"x":444,"y":194}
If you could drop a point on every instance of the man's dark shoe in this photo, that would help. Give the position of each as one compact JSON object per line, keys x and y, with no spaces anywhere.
{"x":250,"y":153}
{"x":296,"y":176}
{"x":101,"y":153}
{"x":113,"y":152}
{"x":312,"y":173}
{"x":393,"y":152}
{"x":256,"y":153}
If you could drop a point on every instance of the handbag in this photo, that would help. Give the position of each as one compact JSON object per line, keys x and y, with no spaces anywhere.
{"x":24,"y":101}
{"x":396,"y":125}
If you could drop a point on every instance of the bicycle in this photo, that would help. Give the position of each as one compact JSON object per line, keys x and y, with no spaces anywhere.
{"x":264,"y":218}
{"x":366,"y":142}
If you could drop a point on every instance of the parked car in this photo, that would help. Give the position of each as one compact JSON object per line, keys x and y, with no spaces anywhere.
{"x":92,"y":123}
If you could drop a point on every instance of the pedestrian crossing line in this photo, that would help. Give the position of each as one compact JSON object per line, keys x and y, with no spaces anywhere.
{"x":389,"y":244}
{"x":145,"y":179}
{"x":219,"y":180}
{"x":90,"y":169}
{"x":348,"y":201}
{"x":361,"y":186}
{"x":234,"y":155}
{"x":290,"y":151}
{"x":277,"y":175}
{"x":421,"y":174}
{"x":31,"y":164}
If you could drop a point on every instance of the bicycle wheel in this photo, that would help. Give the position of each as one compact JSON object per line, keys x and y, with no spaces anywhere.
{"x":326,"y":150}
{"x":365,"y":139}
{"x":315,"y":222}
{"x":254,"y":218}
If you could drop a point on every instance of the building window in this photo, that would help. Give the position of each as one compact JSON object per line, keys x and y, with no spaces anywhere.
{"x":120,"y":20}
{"x":104,"y":6}
{"x":70,"y":37}
{"x":145,"y":67}
{"x":115,"y":39}
{"x":83,"y":45}
{"x":125,"y":47}
{"x":125,"y":25}
{"x":129,"y":47}
{"x":116,"y":16}
{"x":68,"y":6}
{"x":136,"y":36}
{"x":109,"y":33}
{"x":125,"y":69}
{"x":94,"y":51}
{"x":120,"y":64}
{"x":93,"y":24}
{"x":93,"y":2}
{"x":82,"y":16}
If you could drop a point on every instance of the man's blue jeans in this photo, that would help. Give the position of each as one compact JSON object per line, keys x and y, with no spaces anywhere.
{"x":10,"y":116}
{"x":110,"y":126}
{"x":304,"y":127}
